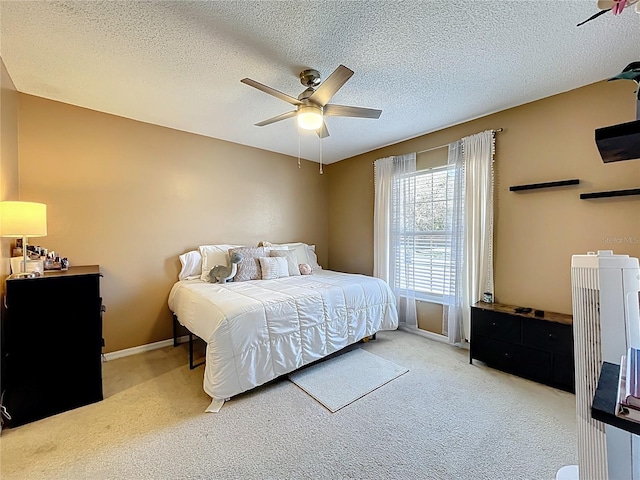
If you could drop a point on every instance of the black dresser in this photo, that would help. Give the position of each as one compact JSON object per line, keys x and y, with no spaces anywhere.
{"x":51,"y":344}
{"x":537,"y":348}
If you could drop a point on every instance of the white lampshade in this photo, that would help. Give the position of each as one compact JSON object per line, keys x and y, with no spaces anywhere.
{"x":309,"y":117}
{"x":23,"y":219}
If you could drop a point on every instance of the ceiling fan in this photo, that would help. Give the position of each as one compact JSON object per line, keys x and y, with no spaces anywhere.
{"x":313,"y":104}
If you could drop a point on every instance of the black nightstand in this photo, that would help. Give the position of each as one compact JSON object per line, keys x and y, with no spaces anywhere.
{"x":51,"y":344}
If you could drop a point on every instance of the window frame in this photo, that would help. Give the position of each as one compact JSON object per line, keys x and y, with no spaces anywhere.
{"x":424,"y":284}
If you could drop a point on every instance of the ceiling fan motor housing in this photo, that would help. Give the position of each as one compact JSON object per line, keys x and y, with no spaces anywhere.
{"x":310,"y":78}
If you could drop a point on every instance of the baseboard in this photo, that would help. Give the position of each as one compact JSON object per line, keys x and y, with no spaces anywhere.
{"x":143,"y":348}
{"x":433,"y":336}
{"x":423,"y":333}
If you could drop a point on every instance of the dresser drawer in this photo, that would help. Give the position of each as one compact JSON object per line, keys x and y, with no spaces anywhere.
{"x":495,"y":353}
{"x":549,"y":336}
{"x":496,"y":325}
{"x":563,"y":374}
{"x":534,"y":364}
{"x":524,"y":362}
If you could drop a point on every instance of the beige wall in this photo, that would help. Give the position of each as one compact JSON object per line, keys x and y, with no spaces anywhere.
{"x":8,"y":157}
{"x":131,"y":197}
{"x":429,"y":316}
{"x":535,"y":232}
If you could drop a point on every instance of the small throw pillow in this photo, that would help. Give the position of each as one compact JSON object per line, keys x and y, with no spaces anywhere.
{"x":249,"y":267}
{"x":292,"y":261}
{"x":273,"y":267}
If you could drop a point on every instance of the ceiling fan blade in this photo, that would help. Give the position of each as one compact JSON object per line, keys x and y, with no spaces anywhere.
{"x":277,"y":118}
{"x":331,"y":85}
{"x":322,"y":131}
{"x":271,"y":91}
{"x":333,"y":110}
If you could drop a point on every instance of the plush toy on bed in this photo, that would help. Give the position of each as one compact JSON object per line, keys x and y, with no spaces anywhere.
{"x":305,"y":269}
{"x":222,"y":273}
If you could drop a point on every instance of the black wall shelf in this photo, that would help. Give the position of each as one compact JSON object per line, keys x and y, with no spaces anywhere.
{"x":533,"y":186}
{"x":612,"y":193}
{"x":619,"y":142}
{"x":605,"y":400}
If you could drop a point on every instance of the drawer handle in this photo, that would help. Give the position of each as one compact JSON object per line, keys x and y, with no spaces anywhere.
{"x":551,"y":336}
{"x":494,"y":324}
{"x":506,"y":355}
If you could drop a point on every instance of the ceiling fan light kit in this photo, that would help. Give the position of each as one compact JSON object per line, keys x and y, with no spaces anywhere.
{"x":312,"y":105}
{"x":309,"y":117}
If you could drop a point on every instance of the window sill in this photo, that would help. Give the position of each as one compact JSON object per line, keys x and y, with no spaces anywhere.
{"x":431,"y":298}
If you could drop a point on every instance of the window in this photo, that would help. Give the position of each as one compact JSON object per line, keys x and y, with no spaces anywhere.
{"x":419,"y":223}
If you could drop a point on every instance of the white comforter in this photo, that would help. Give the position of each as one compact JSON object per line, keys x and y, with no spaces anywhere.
{"x":261,"y":329}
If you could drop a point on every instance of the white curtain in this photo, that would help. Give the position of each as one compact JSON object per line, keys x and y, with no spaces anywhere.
{"x":452,"y":323}
{"x":393,"y":251}
{"x":383,"y":179}
{"x":471,"y":223}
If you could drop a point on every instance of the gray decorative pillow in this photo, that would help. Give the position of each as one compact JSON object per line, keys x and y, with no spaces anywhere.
{"x":249,"y":267}
{"x":292,"y":260}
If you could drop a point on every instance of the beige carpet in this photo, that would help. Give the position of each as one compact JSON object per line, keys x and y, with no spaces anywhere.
{"x":444,"y":419}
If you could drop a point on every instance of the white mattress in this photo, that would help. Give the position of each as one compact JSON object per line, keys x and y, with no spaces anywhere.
{"x":261,"y":329}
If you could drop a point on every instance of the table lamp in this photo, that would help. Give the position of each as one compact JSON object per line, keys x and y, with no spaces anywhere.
{"x":22,"y":220}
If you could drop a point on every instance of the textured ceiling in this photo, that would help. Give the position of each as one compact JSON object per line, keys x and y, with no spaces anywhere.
{"x":427,"y":65}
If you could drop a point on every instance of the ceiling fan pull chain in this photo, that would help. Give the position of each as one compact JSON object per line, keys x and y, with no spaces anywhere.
{"x":320,"y":149}
{"x":298,"y":129}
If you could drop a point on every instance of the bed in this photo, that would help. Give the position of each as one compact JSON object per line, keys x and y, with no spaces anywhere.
{"x":258,"y":330}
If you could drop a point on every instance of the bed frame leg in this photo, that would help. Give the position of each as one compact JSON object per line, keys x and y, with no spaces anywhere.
{"x":191,"y":367}
{"x":191,"y":364}
{"x":175,"y":330}
{"x":369,"y":338}
{"x":175,"y":343}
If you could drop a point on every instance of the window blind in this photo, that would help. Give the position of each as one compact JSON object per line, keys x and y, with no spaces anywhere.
{"x":423,"y":253}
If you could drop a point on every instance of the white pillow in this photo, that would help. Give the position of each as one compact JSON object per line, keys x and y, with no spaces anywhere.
{"x":191,"y":265}
{"x":313,"y":258}
{"x":275,"y":248}
{"x":290,"y":257}
{"x":273,"y":267}
{"x":299,"y":247}
{"x":302,"y":253}
{"x":213,"y":255}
